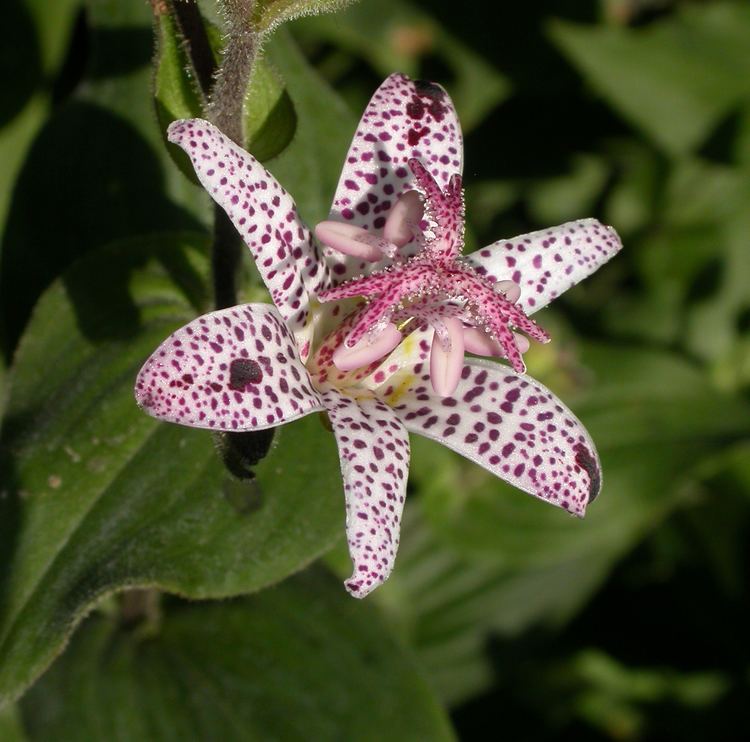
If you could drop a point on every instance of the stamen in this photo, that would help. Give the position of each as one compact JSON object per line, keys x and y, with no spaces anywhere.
{"x":446,"y":364}
{"x":510,"y":289}
{"x":442,"y":334}
{"x":403,"y":220}
{"x":367,"y":350}
{"x":352,"y":240}
{"x":481,"y":343}
{"x":433,"y":288}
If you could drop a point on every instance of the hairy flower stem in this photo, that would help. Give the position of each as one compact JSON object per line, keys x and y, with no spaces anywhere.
{"x":225,"y":110}
{"x":198,"y":47}
{"x":228,"y":94}
{"x":225,"y":260}
{"x":225,"y":89}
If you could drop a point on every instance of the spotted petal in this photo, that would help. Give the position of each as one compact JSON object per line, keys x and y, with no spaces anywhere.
{"x":548,"y":262}
{"x":263,"y":213}
{"x":405,"y":119}
{"x":374,"y":453}
{"x":512,"y":426}
{"x":234,"y":369}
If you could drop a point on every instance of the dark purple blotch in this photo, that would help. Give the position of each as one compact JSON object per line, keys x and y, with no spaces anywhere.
{"x":243,"y":371}
{"x":429,"y":89}
{"x":587,"y":462}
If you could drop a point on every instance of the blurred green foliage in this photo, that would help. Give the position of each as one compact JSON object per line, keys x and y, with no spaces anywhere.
{"x":502,"y":612}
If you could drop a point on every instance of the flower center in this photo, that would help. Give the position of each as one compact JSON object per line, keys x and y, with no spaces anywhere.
{"x":433,"y":288}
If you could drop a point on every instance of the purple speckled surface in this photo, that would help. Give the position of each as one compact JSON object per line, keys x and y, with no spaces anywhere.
{"x":255,"y":366}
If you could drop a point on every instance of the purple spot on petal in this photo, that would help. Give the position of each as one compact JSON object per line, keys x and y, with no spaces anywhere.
{"x":587,"y":462}
{"x":243,"y":371}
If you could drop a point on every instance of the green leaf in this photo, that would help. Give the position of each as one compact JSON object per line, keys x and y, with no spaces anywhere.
{"x":301,"y":661}
{"x":176,"y":92}
{"x":54,"y":23}
{"x":10,"y":725}
{"x":634,"y":196}
{"x":449,"y":604}
{"x":270,"y":119}
{"x":269,"y":14}
{"x":32,"y":54}
{"x":617,"y":698}
{"x":564,"y":197}
{"x":640,"y":405}
{"x":478,"y":556}
{"x":675,"y":79}
{"x":715,"y":324}
{"x":121,"y":81}
{"x":102,"y":156}
{"x":700,"y":192}
{"x":15,"y":139}
{"x":397,"y":35}
{"x":41,"y":32}
{"x":97,"y":496}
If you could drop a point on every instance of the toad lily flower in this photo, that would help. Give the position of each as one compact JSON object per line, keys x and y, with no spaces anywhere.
{"x":394,"y":364}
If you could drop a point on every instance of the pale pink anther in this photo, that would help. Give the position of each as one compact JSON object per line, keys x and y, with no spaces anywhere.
{"x":367,"y":350}
{"x":447,"y":357}
{"x":481,"y":343}
{"x":353,"y":240}
{"x":509,"y":289}
{"x":402,"y":224}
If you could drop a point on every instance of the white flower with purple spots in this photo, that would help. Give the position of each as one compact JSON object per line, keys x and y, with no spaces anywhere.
{"x":395,"y":363}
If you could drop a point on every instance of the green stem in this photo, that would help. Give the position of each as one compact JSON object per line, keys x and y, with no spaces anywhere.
{"x":225,"y":90}
{"x":225,"y":110}
{"x":199,"y":52}
{"x":226,"y":257}
{"x":228,"y":95}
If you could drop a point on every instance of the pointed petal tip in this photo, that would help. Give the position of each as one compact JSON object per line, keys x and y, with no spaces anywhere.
{"x":588,"y":472}
{"x":586,"y":460}
{"x":589,"y":462}
{"x":428,"y":88}
{"x":357,"y":589}
{"x":143,"y":399}
{"x":360,"y":587}
{"x":595,"y":224}
{"x":577,"y":511}
{"x":177,"y":128}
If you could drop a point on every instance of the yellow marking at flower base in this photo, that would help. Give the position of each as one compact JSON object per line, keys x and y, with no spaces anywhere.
{"x":401,"y":387}
{"x":312,"y":311}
